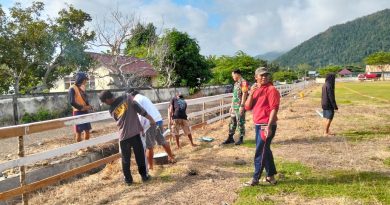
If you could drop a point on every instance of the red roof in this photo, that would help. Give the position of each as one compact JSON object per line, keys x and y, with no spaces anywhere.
{"x":126,"y":63}
{"x":345,"y":72}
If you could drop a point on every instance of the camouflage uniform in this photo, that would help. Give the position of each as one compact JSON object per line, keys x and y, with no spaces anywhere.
{"x":240,"y":87}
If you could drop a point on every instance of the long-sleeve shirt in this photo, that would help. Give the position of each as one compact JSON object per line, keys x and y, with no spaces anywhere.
{"x":265,"y":99}
{"x":124,"y":110}
{"x":328,"y":99}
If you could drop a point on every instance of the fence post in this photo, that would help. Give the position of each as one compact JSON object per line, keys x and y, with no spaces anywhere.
{"x":223,"y":109}
{"x":220,"y":110}
{"x":203,"y":114}
{"x":22,"y":169}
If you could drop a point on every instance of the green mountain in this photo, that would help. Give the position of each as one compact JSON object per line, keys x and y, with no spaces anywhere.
{"x":270,"y":56}
{"x":343,"y":44}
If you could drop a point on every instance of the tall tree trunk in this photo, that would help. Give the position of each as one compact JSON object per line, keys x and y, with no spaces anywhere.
{"x":15,"y":100}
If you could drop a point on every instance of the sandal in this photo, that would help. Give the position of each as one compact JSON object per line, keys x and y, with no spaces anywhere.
{"x":251,"y":183}
{"x":273,"y":182}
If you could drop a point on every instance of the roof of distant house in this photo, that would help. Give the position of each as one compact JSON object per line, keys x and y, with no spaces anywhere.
{"x":345,"y":72}
{"x":127,"y":64}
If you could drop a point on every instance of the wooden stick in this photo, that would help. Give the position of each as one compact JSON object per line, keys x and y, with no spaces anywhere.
{"x":203,"y":113}
{"x":56,"y":178}
{"x":22,"y":169}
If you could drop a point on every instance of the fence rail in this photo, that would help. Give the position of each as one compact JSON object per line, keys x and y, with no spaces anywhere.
{"x":25,"y":129}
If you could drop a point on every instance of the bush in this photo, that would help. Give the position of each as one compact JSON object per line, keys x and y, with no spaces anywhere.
{"x":41,"y":115}
{"x":284,"y":76}
{"x":193,"y":90}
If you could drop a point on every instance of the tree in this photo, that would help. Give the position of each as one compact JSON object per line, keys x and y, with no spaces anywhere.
{"x":225,"y":65}
{"x":285,"y":76}
{"x":38,"y":51}
{"x":380,"y":59}
{"x":142,"y":40}
{"x":160,"y":58}
{"x":329,"y":69}
{"x":190,"y":66}
{"x":113,"y":32}
{"x":303,"y":69}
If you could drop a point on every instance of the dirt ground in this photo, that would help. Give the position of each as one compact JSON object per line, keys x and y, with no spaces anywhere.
{"x":219,"y":175}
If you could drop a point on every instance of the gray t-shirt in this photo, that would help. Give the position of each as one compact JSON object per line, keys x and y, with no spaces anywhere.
{"x":124,"y":110}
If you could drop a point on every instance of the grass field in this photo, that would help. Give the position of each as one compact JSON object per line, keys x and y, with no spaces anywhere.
{"x":365,"y":187}
{"x":361,"y":93}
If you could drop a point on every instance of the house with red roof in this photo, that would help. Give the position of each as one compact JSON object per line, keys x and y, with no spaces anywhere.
{"x":113,"y":72}
{"x":345,"y":73}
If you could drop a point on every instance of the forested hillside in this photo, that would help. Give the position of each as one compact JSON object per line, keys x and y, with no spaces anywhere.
{"x":343,"y":44}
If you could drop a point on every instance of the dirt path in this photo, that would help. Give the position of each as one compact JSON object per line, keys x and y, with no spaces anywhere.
{"x":219,"y":178}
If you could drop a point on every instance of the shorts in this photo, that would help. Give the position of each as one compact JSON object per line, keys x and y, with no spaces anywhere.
{"x":153,"y":135}
{"x":180,"y":124}
{"x":328,"y":114}
{"x":79,"y":128}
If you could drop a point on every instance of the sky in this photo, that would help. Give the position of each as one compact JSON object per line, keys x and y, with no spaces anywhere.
{"x":223,"y":27}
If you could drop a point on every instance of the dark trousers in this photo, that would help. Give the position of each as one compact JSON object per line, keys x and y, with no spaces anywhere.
{"x":126,"y":145}
{"x":263,"y":155}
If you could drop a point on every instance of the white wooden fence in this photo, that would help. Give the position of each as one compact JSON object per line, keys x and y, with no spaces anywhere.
{"x":26,"y":129}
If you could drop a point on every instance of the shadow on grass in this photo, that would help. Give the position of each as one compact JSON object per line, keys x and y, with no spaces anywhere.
{"x":370,"y":133}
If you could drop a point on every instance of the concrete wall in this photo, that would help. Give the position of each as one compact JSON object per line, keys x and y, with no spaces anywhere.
{"x":59,"y":101}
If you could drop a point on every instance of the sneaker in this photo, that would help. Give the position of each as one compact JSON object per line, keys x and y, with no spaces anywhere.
{"x":146,"y":178}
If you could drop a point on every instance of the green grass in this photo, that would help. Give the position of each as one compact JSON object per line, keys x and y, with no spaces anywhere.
{"x":362,"y":186}
{"x":251,"y":143}
{"x":347,"y":97}
{"x":387,"y":162}
{"x":367,"y":133}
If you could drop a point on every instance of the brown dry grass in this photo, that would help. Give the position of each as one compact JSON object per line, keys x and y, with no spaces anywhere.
{"x":219,"y":180}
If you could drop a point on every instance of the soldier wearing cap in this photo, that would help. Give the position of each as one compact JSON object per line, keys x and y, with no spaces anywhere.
{"x":80,"y":104}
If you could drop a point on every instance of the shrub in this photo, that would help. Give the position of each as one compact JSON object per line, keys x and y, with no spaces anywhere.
{"x":193,"y":90}
{"x":41,"y":115}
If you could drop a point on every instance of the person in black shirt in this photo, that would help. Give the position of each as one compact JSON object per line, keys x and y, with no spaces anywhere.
{"x":178,"y":118}
{"x":328,"y":101}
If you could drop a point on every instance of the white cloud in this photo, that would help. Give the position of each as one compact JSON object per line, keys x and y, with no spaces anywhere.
{"x":254,"y":26}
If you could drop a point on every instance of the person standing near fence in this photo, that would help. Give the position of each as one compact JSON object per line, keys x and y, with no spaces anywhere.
{"x":80,"y":104}
{"x":152,"y":134}
{"x":328,"y":102}
{"x":124,"y":110}
{"x":263,"y":100}
{"x":237,"y":110}
{"x":177,"y":113}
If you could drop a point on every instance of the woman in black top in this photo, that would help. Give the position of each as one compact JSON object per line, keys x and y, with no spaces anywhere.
{"x":328,"y":101}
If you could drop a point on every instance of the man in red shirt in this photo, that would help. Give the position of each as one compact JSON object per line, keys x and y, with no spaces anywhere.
{"x":263,"y":100}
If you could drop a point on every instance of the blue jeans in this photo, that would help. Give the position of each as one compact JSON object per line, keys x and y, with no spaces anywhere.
{"x":263,"y":155}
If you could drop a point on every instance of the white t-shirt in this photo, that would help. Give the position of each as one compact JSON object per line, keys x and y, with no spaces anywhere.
{"x":150,"y":108}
